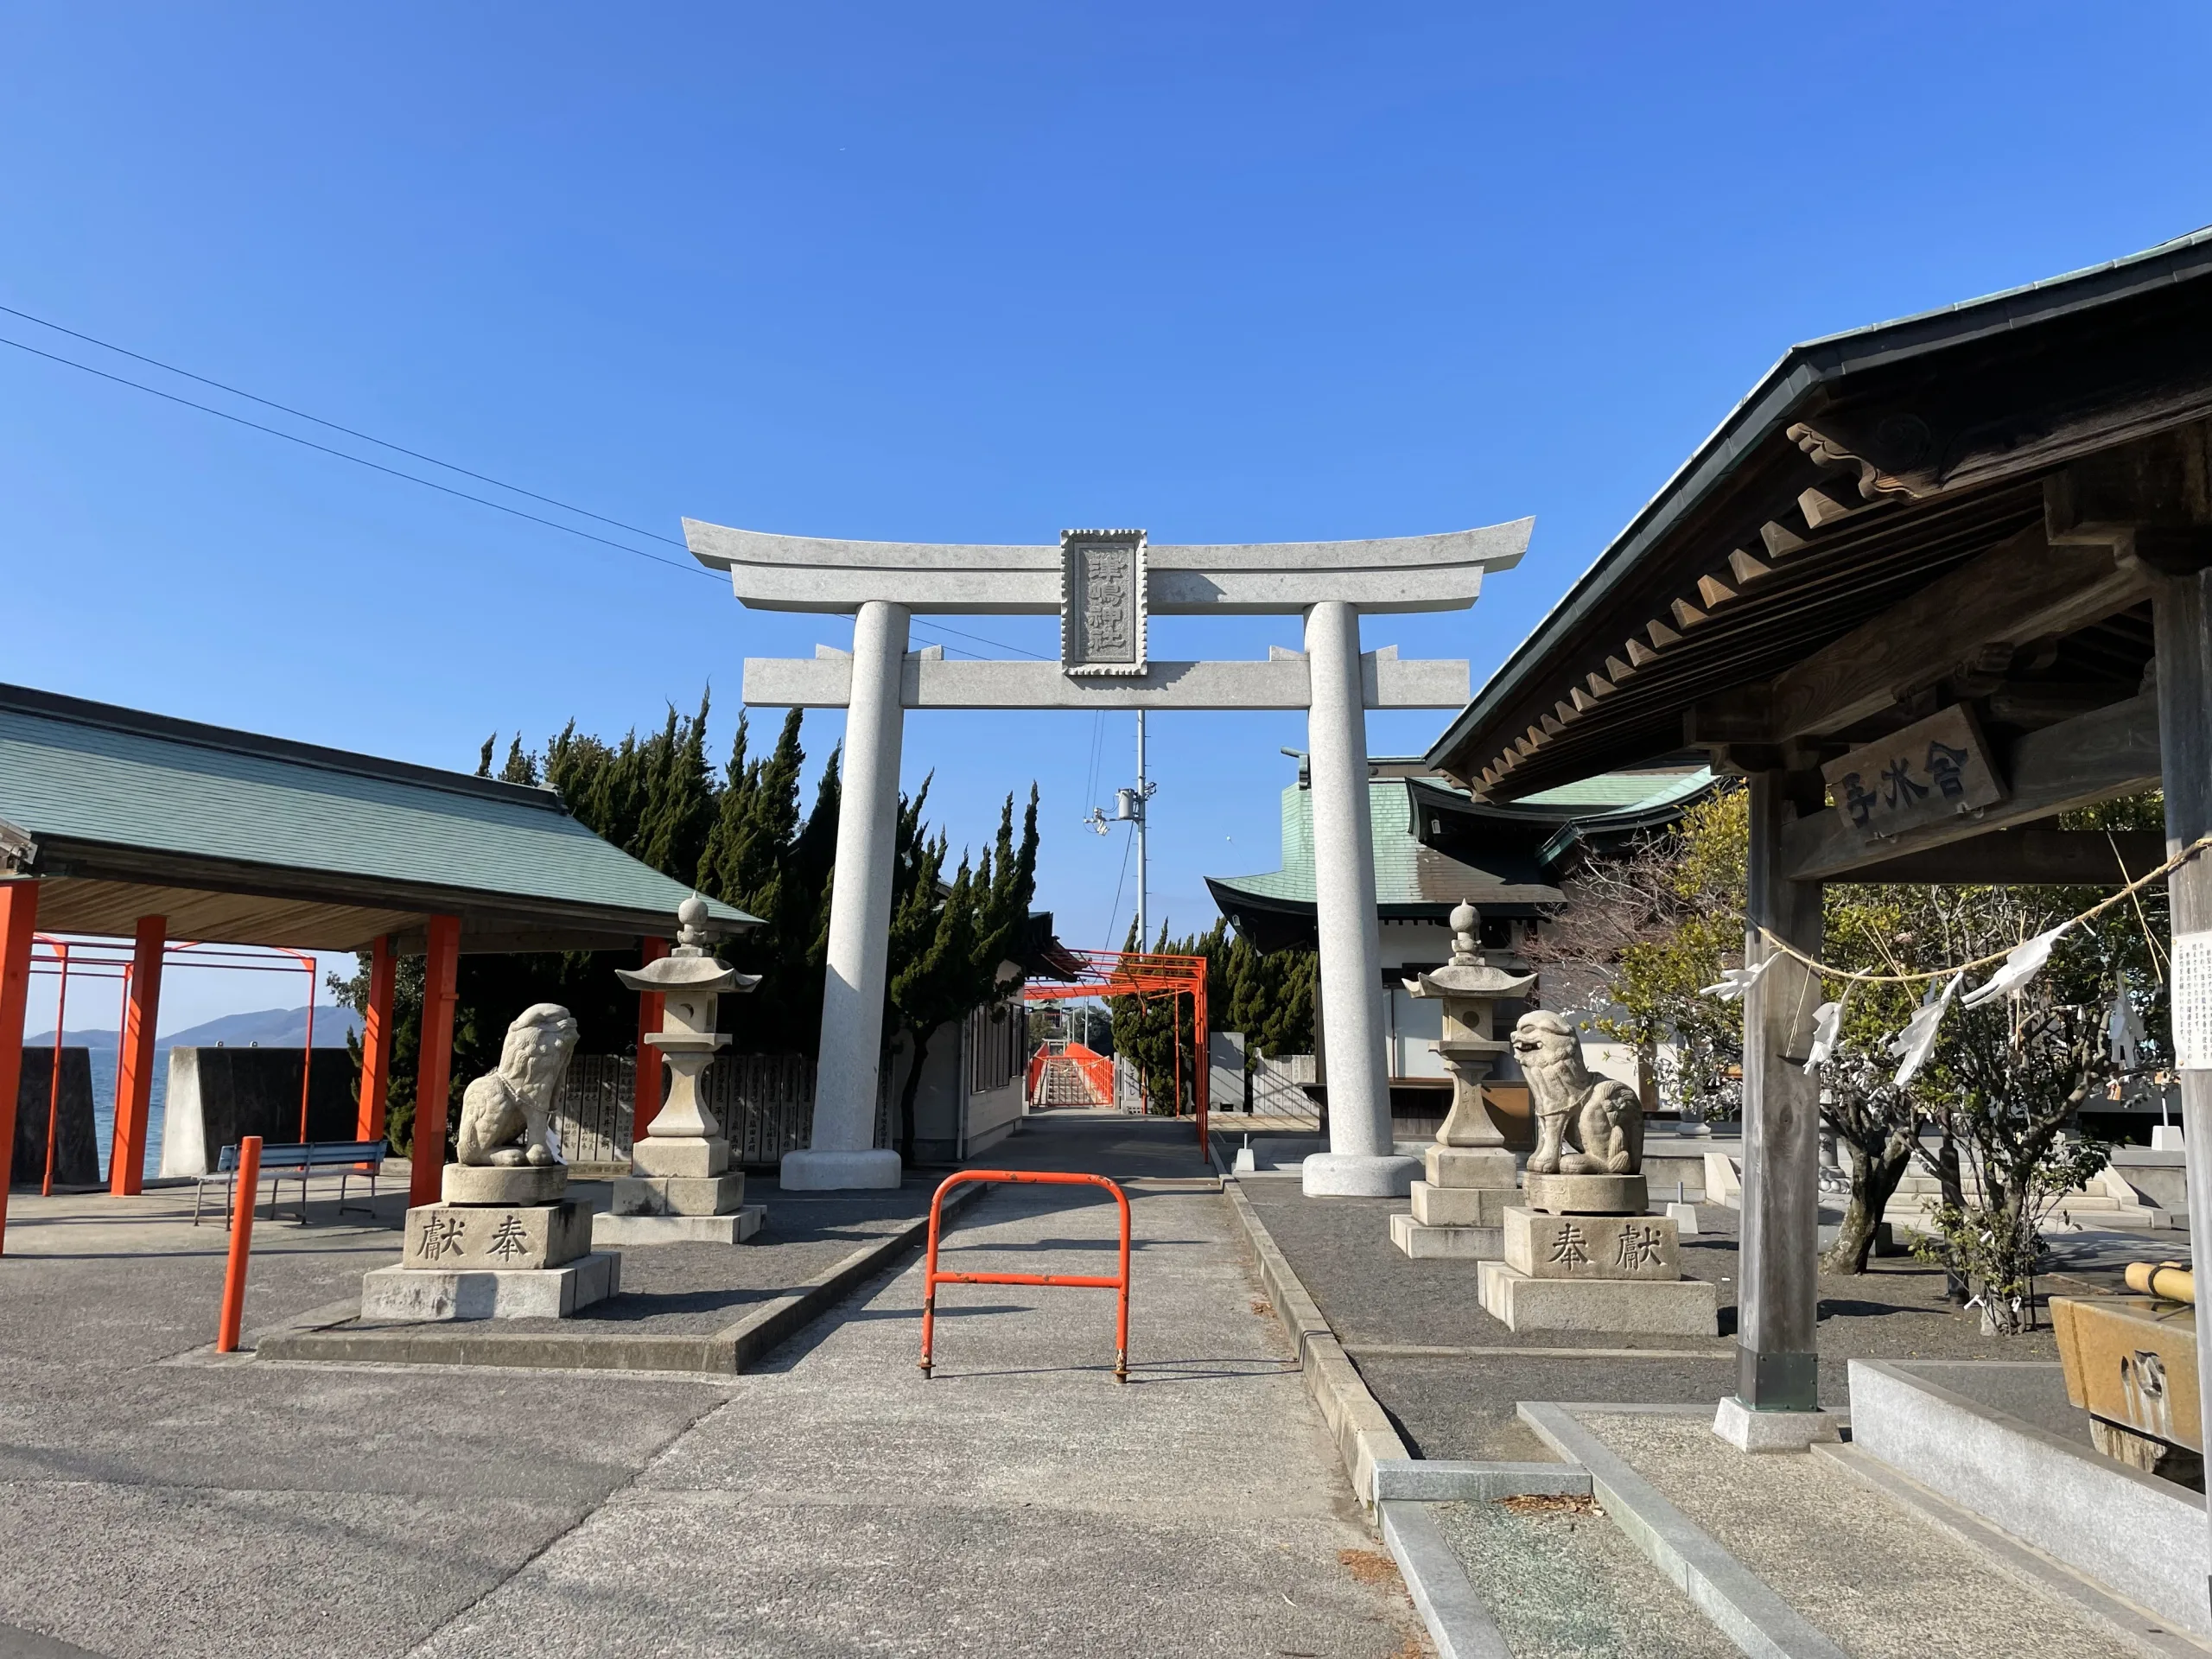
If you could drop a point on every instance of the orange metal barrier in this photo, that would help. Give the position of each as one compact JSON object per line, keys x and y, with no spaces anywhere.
{"x":931,"y":1278}
{"x":226,"y":1334}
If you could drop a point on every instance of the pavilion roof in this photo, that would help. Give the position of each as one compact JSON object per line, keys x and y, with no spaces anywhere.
{"x":1862,"y":468}
{"x":249,"y":839}
{"x":1435,"y":847}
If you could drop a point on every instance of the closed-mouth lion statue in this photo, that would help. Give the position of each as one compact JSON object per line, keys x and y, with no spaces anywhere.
{"x":1585,"y":1126}
{"x":503,"y":1113}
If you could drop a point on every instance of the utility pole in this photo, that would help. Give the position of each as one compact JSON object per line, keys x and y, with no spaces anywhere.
{"x":1129,"y":808}
{"x":1144,"y":938}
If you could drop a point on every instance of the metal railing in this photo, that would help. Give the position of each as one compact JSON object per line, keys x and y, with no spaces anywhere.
{"x":765,"y":1104}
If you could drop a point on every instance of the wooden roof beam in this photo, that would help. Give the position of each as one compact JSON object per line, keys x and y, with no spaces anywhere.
{"x":2019,"y":590}
{"x":1747,"y":569}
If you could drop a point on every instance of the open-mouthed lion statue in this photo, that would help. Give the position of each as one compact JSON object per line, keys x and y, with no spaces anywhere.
{"x":1585,"y":1125}
{"x":503,"y":1113}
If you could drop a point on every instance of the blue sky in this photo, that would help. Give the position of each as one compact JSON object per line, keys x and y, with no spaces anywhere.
{"x":965,"y":272}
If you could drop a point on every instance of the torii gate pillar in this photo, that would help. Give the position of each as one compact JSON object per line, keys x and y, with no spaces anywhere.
{"x":841,"y":1151}
{"x":1104,"y":584}
{"x":1360,"y":1161}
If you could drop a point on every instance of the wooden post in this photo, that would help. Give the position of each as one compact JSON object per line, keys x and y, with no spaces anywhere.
{"x":645,"y":1104}
{"x":1779,"y":1293}
{"x":134,"y":1092}
{"x":426,"y":1159}
{"x":376,"y":1043}
{"x":2183,"y":634}
{"x":18,"y":916}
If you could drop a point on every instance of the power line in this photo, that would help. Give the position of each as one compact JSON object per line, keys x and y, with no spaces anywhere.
{"x":358,"y":461}
{"x":402,"y":449}
{"x":997,"y":645}
{"x":300,"y":414}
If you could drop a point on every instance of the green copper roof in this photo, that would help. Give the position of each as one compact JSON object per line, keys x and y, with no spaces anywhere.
{"x":82,"y":779}
{"x":1409,"y":875}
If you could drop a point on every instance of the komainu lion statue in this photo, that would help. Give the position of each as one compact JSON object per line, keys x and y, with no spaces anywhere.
{"x":1585,"y":1126}
{"x":503,"y":1113}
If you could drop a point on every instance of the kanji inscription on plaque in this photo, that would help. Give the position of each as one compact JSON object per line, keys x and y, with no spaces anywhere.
{"x":1102,"y":611}
{"x":1934,"y":769}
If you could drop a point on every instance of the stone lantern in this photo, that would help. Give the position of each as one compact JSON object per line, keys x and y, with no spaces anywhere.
{"x":1460,"y":1211}
{"x":680,"y":1188}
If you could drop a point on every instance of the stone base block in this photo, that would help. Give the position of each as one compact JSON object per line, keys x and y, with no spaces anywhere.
{"x":678,"y":1195}
{"x":1684,"y":1216}
{"x":839,"y":1172}
{"x":1688,"y":1307}
{"x":685,"y":1157}
{"x":486,"y":1183}
{"x":1773,"y":1431}
{"x":1588,"y":1195}
{"x":1357,"y":1175}
{"x":634,"y":1230}
{"x":412,"y":1294}
{"x":1471,"y":1166}
{"x":1592,"y":1246}
{"x":1462,"y":1206}
{"x":1424,"y":1243}
{"x":495,"y":1238}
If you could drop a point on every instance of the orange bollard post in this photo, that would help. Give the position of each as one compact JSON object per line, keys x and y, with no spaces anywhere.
{"x":242,"y":1208}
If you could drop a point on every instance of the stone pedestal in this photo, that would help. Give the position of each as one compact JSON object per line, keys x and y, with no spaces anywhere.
{"x":1589,"y":1195}
{"x":1460,"y":1211}
{"x":505,"y":1244}
{"x":1594,"y":1272}
{"x":410,"y":1294}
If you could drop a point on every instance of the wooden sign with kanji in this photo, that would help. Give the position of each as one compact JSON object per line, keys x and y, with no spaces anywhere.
{"x":1934,"y":769}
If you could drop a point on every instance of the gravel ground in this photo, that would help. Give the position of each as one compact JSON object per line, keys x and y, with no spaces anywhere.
{"x":1563,"y":1581}
{"x":1879,"y":1582}
{"x":1460,"y":1404}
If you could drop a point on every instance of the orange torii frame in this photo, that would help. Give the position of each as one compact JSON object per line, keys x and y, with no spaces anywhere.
{"x":1140,"y":973}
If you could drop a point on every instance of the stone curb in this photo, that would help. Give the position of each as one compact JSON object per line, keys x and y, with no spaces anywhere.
{"x":1458,"y":1624}
{"x":1741,"y":1606}
{"x":725,"y":1352}
{"x":1361,"y":1428}
{"x":1443,"y":1480}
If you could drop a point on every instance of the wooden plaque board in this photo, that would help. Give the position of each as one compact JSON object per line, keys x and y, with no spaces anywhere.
{"x":1934,"y":769}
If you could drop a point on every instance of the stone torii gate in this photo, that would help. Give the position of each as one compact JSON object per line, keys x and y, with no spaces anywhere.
{"x":1104,"y":584}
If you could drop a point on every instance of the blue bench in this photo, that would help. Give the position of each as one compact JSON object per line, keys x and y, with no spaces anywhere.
{"x":296,"y":1162}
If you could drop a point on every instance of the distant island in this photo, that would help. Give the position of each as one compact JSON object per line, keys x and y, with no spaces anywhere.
{"x":266,"y":1028}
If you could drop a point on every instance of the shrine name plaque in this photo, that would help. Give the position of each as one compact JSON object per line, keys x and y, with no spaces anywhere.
{"x":1103,"y":608}
{"x":1933,"y":769}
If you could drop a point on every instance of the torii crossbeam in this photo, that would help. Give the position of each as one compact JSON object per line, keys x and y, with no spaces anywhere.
{"x":1104,"y":585}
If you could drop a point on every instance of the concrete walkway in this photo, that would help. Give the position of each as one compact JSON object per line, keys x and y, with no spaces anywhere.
{"x":1019,"y":1503}
{"x":155,"y":1500}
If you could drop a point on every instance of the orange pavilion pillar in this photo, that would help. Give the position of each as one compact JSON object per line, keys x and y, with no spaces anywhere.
{"x":18,"y":915}
{"x":434,"y":1064}
{"x":376,"y":1042}
{"x":646,"y":1104}
{"x":134,"y":1089}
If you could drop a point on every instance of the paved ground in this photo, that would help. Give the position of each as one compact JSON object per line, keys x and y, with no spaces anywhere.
{"x":1451,"y":1374}
{"x":154,"y":1499}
